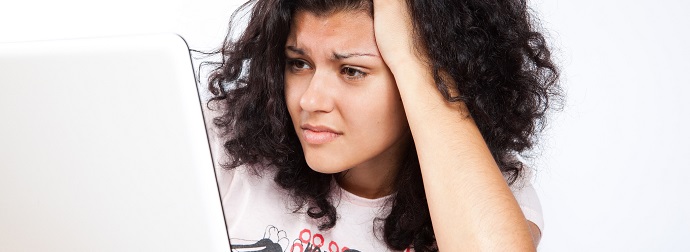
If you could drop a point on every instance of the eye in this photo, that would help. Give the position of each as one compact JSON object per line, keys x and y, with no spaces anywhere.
{"x":297,"y":65}
{"x":352,"y":73}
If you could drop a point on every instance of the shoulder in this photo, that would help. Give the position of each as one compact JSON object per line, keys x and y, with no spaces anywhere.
{"x":246,"y":180}
{"x":530,"y":205}
{"x":527,"y":196}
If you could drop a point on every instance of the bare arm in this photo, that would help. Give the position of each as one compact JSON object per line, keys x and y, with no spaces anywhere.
{"x":471,"y":206}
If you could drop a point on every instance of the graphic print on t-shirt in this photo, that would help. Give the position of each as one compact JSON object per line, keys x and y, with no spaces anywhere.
{"x":275,"y":240}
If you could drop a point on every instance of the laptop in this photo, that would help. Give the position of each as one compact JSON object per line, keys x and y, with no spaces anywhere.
{"x":103,"y":147}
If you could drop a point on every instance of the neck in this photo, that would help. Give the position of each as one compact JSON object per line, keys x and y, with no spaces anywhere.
{"x":375,"y":178}
{"x":366,"y":184}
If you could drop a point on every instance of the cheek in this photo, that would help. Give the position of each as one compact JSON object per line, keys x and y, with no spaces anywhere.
{"x":377,"y":112}
{"x":293,"y":93}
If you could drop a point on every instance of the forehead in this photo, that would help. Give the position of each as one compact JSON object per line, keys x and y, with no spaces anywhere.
{"x":339,"y":29}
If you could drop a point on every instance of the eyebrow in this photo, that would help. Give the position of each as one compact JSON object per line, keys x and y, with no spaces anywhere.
{"x":339,"y":56}
{"x":295,"y":50}
{"x":336,"y":56}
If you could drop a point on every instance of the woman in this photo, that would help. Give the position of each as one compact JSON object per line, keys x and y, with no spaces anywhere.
{"x":384,"y":125}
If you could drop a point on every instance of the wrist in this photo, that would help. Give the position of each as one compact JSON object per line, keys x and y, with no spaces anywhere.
{"x":407,"y":65}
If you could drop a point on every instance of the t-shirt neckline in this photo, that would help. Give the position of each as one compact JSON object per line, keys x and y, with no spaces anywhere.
{"x":358,"y":200}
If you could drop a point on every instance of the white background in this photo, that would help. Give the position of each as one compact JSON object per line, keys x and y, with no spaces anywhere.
{"x":613,"y":173}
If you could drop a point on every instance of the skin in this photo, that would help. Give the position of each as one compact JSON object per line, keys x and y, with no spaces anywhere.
{"x":471,"y":206}
{"x":379,"y":97}
{"x":336,"y":78}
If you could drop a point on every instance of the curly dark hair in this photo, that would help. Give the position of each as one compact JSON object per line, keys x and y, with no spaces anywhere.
{"x":488,"y":54}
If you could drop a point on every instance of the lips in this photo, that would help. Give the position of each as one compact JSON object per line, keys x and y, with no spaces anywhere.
{"x":319,"y":134}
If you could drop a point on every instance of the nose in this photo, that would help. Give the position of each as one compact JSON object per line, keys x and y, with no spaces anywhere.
{"x":318,"y":97}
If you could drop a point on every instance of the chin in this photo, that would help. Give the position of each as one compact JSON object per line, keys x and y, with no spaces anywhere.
{"x":325,"y":165}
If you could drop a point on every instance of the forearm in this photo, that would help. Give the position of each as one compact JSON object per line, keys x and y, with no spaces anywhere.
{"x":470,"y":203}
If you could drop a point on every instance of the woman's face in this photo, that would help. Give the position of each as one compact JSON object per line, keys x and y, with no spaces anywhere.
{"x":341,"y":96}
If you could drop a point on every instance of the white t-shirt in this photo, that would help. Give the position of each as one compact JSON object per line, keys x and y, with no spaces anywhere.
{"x":260,"y":216}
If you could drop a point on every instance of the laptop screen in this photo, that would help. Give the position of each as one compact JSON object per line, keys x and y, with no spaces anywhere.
{"x":103,"y":147}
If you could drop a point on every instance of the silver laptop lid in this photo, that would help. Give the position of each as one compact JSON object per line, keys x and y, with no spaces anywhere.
{"x":103,"y":148}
